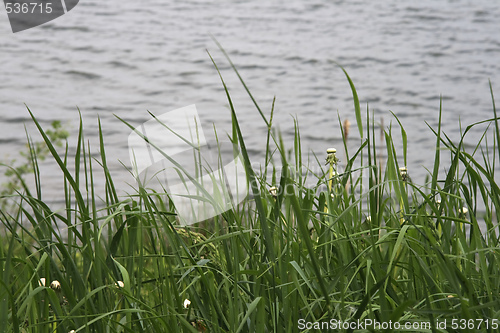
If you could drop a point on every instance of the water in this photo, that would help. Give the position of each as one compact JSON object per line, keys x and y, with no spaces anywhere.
{"x":126,"y":57}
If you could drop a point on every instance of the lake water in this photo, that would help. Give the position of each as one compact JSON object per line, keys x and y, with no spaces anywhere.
{"x":126,"y":57}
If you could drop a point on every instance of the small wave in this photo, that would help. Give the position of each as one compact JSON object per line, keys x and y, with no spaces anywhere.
{"x":52,"y":26}
{"x":375,"y":60}
{"x":85,"y":75}
{"x":119,"y":64}
{"x":427,"y":18}
{"x":189,"y":73}
{"x":88,"y":48}
{"x":16,"y":120}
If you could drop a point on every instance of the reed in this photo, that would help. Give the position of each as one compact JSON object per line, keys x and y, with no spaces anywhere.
{"x":310,"y":245}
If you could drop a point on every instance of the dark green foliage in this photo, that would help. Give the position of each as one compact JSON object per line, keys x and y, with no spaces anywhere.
{"x":380,"y":248}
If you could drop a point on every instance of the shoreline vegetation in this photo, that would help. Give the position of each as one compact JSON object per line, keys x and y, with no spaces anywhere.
{"x":360,"y":244}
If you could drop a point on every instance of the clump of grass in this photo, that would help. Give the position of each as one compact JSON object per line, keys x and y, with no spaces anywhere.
{"x":359,"y":243}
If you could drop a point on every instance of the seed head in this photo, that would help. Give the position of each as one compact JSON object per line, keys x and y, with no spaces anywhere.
{"x":331,"y":156}
{"x":346,"y":126}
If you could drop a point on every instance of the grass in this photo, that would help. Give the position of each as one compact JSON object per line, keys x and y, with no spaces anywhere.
{"x":353,"y":242}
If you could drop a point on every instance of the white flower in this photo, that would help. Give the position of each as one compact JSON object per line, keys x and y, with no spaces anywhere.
{"x":55,"y":285}
{"x":119,"y":284}
{"x":273,"y":191}
{"x":187,"y":303}
{"x":403,"y":171}
{"x":72,"y":331}
{"x":41,"y":282}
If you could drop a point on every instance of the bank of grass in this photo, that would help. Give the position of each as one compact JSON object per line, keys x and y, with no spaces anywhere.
{"x":380,"y":248}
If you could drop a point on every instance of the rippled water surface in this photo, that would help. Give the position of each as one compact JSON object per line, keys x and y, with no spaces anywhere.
{"x":126,"y":57}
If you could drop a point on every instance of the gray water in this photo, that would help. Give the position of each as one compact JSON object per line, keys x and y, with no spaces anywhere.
{"x":126,"y":57}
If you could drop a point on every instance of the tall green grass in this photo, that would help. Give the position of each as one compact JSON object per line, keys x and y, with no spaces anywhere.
{"x":374,"y":246}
